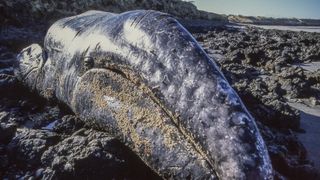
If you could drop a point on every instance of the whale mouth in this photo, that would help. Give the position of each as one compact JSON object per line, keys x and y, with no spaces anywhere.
{"x":30,"y":71}
{"x":129,"y":75}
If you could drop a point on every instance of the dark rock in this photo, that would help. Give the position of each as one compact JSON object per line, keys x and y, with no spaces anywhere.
{"x":68,"y":124}
{"x":314,"y":101}
{"x":49,"y":114}
{"x":313,"y":77}
{"x":28,"y":145}
{"x":4,"y":159}
{"x":7,"y":82}
{"x":236,"y":56}
{"x":4,"y":116}
{"x":92,"y":154}
{"x":7,"y":131}
{"x":254,"y":56}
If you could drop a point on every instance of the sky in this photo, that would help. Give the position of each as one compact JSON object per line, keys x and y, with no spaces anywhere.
{"x":268,"y":8}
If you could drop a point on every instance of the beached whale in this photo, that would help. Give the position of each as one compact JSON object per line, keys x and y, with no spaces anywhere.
{"x":142,"y":77}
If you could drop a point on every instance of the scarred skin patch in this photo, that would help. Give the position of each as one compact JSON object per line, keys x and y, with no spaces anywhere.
{"x":139,"y":121}
{"x":142,"y":77}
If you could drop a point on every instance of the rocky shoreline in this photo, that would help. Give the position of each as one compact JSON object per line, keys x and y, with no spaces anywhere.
{"x":261,"y":65}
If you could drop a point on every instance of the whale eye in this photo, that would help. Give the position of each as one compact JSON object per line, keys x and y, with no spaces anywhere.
{"x":88,"y":63}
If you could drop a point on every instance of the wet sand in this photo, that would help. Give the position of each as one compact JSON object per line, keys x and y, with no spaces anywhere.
{"x":310,"y":122}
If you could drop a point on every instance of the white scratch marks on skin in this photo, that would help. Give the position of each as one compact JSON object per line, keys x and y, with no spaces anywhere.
{"x":136,"y":36}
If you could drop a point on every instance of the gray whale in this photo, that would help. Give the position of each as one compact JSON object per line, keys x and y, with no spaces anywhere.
{"x":142,"y":77}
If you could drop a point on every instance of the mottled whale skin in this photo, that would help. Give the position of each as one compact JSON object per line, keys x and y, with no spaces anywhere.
{"x":142,"y":77}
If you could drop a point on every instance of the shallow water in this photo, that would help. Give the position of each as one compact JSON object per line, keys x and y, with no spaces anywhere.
{"x":291,"y":28}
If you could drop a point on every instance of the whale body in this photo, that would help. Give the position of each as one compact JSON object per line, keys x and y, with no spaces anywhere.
{"x":143,"y":78}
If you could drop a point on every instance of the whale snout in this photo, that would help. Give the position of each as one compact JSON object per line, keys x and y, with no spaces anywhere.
{"x":29,"y":61}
